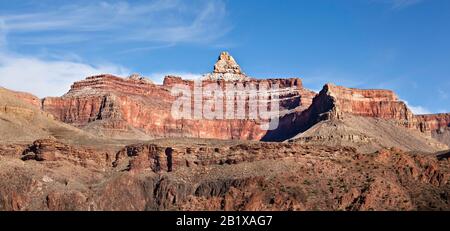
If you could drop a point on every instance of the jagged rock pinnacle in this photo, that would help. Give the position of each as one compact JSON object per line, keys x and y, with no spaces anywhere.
{"x":226,"y":68}
{"x":226,"y":64}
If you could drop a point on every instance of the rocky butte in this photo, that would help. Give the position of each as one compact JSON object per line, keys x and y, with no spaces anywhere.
{"x":135,"y":108}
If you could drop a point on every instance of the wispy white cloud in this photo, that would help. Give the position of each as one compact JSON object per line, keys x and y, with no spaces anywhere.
{"x":151,"y":25}
{"x":47,"y":78}
{"x":170,"y":21}
{"x":2,"y":35}
{"x":443,"y":94}
{"x":399,"y":4}
{"x":146,"y":48}
{"x":418,"y":110}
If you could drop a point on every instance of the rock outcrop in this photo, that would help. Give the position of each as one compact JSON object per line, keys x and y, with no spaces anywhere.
{"x":226,"y":69}
{"x":365,"y":119}
{"x":227,"y":64}
{"x":435,"y":122}
{"x":53,"y":150}
{"x":370,"y":103}
{"x":135,"y":108}
{"x":22,"y":120}
{"x":383,"y":104}
{"x":438,"y":125}
{"x":333,"y":102}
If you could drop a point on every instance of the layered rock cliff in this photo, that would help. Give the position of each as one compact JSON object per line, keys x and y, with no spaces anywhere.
{"x":385,"y":104}
{"x":438,"y":125}
{"x":136,"y":109}
{"x":333,"y":102}
{"x":49,"y":165}
{"x":371,"y":103}
{"x":434,"y":122}
{"x":365,"y":119}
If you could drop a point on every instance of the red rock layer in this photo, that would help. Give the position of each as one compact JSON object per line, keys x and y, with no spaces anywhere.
{"x":118,"y":104}
{"x":335,"y":101}
{"x":115,"y":104}
{"x":291,"y":93}
{"x":433,"y":122}
{"x":372,"y":103}
{"x":384,"y":104}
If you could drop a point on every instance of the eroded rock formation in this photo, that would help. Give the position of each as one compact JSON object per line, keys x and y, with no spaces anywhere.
{"x":134,"y":108}
{"x":53,"y":150}
{"x":226,"y":69}
{"x":366,"y":119}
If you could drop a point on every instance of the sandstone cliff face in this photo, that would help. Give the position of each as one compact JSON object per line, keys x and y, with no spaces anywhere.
{"x":371,"y":103}
{"x":332,"y":103}
{"x":53,"y":150}
{"x":438,"y":125}
{"x":342,"y":106}
{"x":436,"y":122}
{"x":22,"y":120}
{"x":385,"y":104}
{"x":122,"y":107}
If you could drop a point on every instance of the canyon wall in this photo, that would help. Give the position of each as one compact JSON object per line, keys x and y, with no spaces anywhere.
{"x":433,"y":122}
{"x":371,"y":103}
{"x":136,"y":108}
{"x":120,"y":107}
{"x":335,"y":102}
{"x":386,"y":105}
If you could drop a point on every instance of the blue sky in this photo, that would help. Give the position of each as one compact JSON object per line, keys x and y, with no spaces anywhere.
{"x":401,"y":45}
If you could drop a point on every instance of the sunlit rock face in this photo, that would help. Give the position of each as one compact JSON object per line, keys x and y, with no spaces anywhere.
{"x":226,"y":68}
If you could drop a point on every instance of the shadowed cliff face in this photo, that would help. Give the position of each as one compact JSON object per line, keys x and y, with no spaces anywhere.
{"x":334,"y":101}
